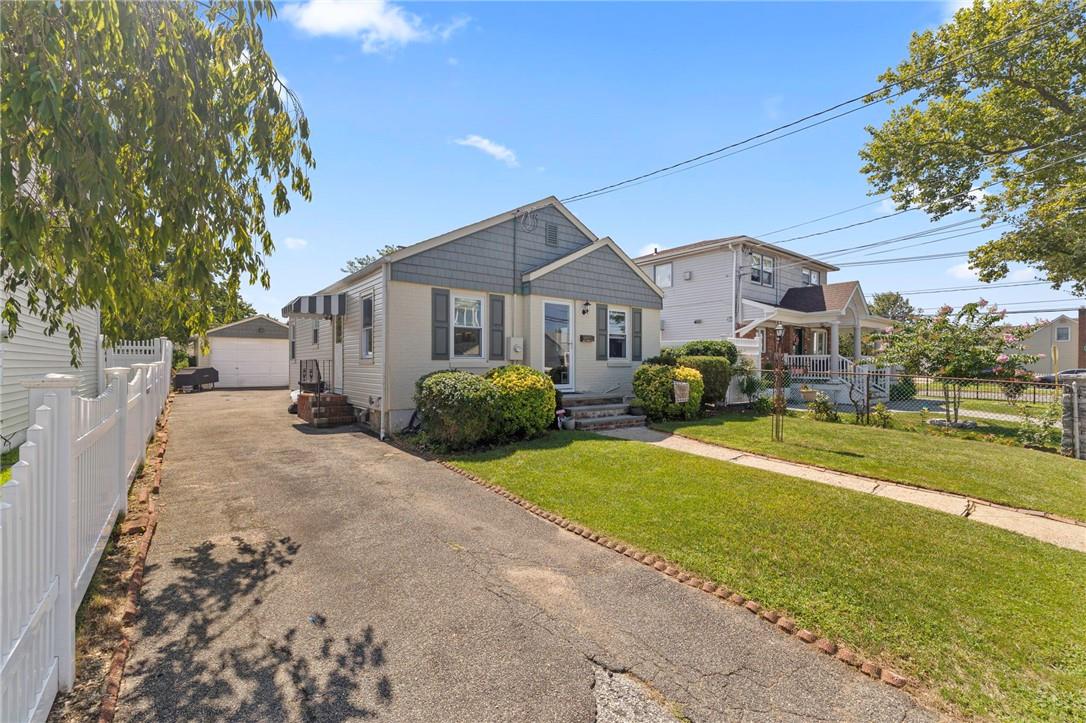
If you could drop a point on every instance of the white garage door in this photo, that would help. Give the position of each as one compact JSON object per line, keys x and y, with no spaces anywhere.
{"x":250,"y":362}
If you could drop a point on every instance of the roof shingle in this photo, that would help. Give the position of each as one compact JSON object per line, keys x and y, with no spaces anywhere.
{"x":831,"y":297}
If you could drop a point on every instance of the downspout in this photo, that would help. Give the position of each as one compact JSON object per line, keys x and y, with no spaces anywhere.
{"x":386,"y":277}
{"x":513,"y":305}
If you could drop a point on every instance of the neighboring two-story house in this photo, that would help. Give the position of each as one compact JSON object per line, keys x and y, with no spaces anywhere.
{"x":1059,"y":344}
{"x":741,"y":287}
{"x":533,"y":285}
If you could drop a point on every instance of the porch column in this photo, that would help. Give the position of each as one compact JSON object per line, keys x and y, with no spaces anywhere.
{"x":835,"y":361}
{"x":857,"y":342}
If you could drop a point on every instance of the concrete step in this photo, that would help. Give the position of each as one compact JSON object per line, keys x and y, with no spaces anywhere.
{"x":333,"y":421}
{"x":332,"y":410}
{"x":586,"y":411}
{"x":616,"y":422}
{"x":569,"y":401}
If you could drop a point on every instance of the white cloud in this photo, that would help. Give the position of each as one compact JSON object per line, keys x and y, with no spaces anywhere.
{"x":648,"y":249}
{"x":962,"y":271}
{"x":453,"y":61}
{"x":294,"y":243}
{"x":952,"y":6}
{"x":495,"y":150}
{"x":1022,"y":275}
{"x":381,"y":25}
{"x":771,"y":106}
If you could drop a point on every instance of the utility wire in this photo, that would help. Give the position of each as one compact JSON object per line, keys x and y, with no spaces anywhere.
{"x":703,"y":156}
{"x":905,"y":259}
{"x":978,"y":287}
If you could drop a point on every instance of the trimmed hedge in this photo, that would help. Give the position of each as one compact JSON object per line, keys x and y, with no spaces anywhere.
{"x":526,"y":401}
{"x":716,"y":372}
{"x":652,"y":384}
{"x":457,"y":409}
{"x":709,"y":347}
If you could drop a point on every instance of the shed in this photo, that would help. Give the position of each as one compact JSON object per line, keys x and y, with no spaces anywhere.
{"x":252,"y":352}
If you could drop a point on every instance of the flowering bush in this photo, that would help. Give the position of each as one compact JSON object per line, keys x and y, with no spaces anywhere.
{"x":654,"y":386}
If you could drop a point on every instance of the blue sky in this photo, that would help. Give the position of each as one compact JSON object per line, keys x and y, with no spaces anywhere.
{"x":429,"y":116}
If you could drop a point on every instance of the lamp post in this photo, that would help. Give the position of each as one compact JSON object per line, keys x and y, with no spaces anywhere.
{"x":779,"y":406}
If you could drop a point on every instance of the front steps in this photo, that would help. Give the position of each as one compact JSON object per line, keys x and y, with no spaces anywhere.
{"x":596,"y":412}
{"x":327,"y":410}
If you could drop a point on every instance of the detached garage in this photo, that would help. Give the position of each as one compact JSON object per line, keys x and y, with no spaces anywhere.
{"x":248,"y":353}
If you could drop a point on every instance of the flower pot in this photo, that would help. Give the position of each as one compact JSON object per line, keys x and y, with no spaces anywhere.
{"x":809,"y":395}
{"x":569,"y":423}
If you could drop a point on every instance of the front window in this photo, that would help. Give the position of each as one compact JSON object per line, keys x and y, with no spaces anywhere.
{"x":616,"y":334}
{"x":467,"y":326}
{"x":367,"y":327}
{"x":812,"y":277}
{"x":662,"y":275}
{"x":1063,"y":333}
{"x":761,"y":269}
{"x":316,"y":332}
{"x":818,"y":342}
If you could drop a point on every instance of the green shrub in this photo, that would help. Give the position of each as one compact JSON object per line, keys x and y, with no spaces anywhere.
{"x":457,"y":409}
{"x":716,"y":372}
{"x":665,"y":359}
{"x":904,"y":388}
{"x":526,"y":401}
{"x":881,"y":416}
{"x":762,"y":406}
{"x":653,"y":385}
{"x":709,"y":347}
{"x":823,"y":409}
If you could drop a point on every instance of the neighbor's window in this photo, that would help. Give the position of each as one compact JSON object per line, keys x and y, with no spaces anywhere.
{"x":616,"y":334}
{"x":338,"y":325}
{"x":662,"y":275}
{"x":1063,"y":333}
{"x":316,"y":332}
{"x":293,"y":326}
{"x":761,"y":339}
{"x":761,"y":269}
{"x":812,"y":277}
{"x":367,"y":327}
{"x":818,"y":342}
{"x":467,"y":326}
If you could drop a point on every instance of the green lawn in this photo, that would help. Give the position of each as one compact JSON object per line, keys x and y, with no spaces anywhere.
{"x":995,"y":472}
{"x":989,"y":621}
{"x":985,"y":405}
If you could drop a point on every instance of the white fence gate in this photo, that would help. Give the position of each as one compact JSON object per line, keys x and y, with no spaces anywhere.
{"x":56,"y":514}
{"x":751,"y":350}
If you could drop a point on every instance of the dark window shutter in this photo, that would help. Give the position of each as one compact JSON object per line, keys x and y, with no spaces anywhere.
{"x":497,"y":326}
{"x":601,"y":332}
{"x":636,"y":344}
{"x":439,"y":314}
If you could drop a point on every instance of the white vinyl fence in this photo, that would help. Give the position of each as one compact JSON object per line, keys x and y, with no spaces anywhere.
{"x":56,"y":513}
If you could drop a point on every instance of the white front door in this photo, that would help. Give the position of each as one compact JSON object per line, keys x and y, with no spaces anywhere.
{"x":558,"y":343}
{"x":337,"y":325}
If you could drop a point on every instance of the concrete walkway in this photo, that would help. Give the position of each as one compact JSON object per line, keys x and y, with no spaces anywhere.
{"x":1033,"y":524}
{"x":301,"y":575}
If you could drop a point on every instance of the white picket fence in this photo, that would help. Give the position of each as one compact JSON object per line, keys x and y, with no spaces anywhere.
{"x":56,"y":513}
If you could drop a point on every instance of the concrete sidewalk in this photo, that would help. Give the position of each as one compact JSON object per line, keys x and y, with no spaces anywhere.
{"x":327,"y":576}
{"x":1033,"y":524}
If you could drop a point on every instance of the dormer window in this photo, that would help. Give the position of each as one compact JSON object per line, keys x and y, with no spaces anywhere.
{"x":761,"y":269}
{"x":812,"y":277}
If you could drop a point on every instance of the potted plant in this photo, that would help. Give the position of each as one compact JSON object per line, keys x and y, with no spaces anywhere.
{"x":637,"y":407}
{"x":809,"y":395}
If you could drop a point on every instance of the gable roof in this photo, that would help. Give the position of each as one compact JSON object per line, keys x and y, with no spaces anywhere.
{"x":596,"y":245}
{"x":831,"y":297}
{"x":710,"y":244}
{"x":461,"y":232}
{"x":246,"y":320}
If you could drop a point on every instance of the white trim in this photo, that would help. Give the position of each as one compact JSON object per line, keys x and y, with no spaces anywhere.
{"x":572,"y":344}
{"x":584,"y":251}
{"x":690,"y":249}
{"x":248,"y":318}
{"x":459,"y":233}
{"x":481,"y":356}
{"x":363,"y":355}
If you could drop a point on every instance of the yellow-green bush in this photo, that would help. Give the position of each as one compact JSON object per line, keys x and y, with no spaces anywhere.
{"x":458,"y":409}
{"x":653,"y":385}
{"x":716,"y":372}
{"x":525,"y":405}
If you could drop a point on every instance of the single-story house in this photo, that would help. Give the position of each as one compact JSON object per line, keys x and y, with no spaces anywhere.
{"x":1059,"y":344}
{"x":252,"y":352}
{"x":529,"y":286}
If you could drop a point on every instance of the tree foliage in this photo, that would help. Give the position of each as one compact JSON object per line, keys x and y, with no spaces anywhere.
{"x":360,"y":262}
{"x":138,"y":143}
{"x":999,"y":97}
{"x":892,"y":305}
{"x":956,"y":347}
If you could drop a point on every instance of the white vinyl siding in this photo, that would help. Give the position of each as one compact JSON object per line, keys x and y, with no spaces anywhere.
{"x":31,"y":353}
{"x":364,"y":377}
{"x":698,"y":305}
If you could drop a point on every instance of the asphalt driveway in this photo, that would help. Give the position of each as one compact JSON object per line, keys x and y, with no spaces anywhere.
{"x":328,"y":576}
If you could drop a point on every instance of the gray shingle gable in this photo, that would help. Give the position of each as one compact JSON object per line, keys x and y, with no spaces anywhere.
{"x":598,"y":276}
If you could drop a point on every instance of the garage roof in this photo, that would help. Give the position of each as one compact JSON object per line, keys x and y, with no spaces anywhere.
{"x":260,"y":326}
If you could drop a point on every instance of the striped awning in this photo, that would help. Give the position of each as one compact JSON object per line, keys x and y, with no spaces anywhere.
{"x":321,"y":306}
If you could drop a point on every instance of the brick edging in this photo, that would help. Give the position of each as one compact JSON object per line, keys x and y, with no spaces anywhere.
{"x":111,"y":693}
{"x":674,"y":571}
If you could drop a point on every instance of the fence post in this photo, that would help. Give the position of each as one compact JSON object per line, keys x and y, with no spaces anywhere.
{"x":143,"y":372}
{"x":118,"y":377}
{"x":56,"y":391}
{"x":101,"y":360}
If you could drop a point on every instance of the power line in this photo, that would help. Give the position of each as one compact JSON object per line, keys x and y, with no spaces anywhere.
{"x":905,"y":259}
{"x":948,"y":289}
{"x":701,"y":157}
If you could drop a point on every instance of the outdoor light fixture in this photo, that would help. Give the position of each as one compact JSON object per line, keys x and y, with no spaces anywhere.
{"x":585,"y":308}
{"x":780,"y":331}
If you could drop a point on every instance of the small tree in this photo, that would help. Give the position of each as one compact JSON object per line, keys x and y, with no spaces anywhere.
{"x":892,"y":305}
{"x":360,"y":262}
{"x":956,"y":348}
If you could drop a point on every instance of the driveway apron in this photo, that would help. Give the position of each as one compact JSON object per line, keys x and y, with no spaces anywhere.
{"x":302,"y":575}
